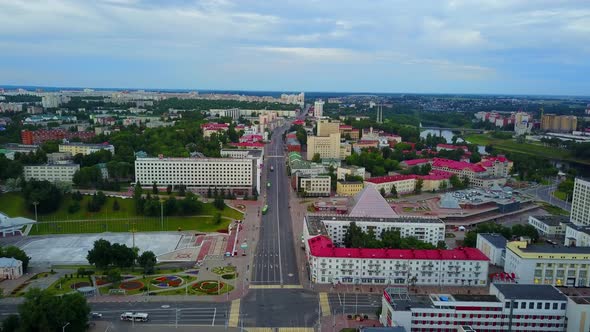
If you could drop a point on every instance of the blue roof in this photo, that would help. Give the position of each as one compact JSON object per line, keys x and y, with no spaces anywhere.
{"x":497,"y":240}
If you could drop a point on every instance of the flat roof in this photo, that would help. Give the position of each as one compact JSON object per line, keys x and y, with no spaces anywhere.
{"x":530,"y":292}
{"x":555,"y":249}
{"x":475,"y":298}
{"x":497,"y":240}
{"x":552,"y":220}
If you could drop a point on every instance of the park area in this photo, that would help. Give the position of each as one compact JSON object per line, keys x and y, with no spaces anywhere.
{"x":107,"y":219}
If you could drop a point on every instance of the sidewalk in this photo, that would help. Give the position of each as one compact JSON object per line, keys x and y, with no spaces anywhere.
{"x":339,"y":322}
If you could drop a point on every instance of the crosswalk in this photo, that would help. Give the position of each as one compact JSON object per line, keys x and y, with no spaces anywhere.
{"x":325,"y":304}
{"x":277,"y":286}
{"x":234,"y":313}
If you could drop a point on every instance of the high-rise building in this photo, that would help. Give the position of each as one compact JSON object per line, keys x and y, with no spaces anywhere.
{"x":559,"y":123}
{"x":327,"y":147}
{"x":318,"y":108}
{"x":327,"y":127}
{"x":580,"y":214}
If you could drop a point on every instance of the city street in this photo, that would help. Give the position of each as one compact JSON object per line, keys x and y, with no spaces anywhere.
{"x":545,"y":194}
{"x":354,"y":303}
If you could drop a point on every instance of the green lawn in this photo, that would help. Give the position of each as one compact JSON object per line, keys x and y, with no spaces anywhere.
{"x":63,"y":285}
{"x":554,"y":210}
{"x":530,"y":148}
{"x":108,"y":220}
{"x":560,"y":194}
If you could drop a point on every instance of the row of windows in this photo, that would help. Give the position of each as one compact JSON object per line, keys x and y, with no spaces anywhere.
{"x":538,"y":305}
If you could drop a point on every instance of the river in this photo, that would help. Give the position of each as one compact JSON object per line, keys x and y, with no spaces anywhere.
{"x":448,"y":136}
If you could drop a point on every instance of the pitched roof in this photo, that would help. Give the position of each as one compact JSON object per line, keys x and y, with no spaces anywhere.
{"x":369,"y":203}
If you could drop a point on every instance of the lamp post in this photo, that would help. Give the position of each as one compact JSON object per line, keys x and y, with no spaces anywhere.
{"x":35,"y":203}
{"x":162,"y":214}
{"x":63,"y":328}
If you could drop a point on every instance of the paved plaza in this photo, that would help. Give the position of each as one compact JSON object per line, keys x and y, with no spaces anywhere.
{"x":72,"y":249}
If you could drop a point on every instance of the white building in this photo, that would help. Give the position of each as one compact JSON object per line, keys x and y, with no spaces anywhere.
{"x":549,"y":226}
{"x":402,"y":267}
{"x":84,"y":148}
{"x":239,"y":175}
{"x":54,"y":100}
{"x":548,"y":264}
{"x":577,"y":313}
{"x":314,"y":185}
{"x":493,"y":246}
{"x":580,"y":213}
{"x":10,"y":268}
{"x":578,"y":236}
{"x":352,"y":170}
{"x":508,"y":307}
{"x":59,"y":172}
{"x":318,"y":109}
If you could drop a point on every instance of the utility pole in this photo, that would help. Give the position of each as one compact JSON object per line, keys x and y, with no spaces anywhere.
{"x":35,"y":203}
{"x":162,"y":214}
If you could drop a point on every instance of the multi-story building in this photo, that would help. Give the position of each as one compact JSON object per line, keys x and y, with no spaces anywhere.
{"x":580,"y":213}
{"x":313,"y":185}
{"x":349,"y":131}
{"x":326,"y":127}
{"x":318,"y":109}
{"x":550,"y":226}
{"x":326,"y":147}
{"x":477,"y":174}
{"x":508,"y":307}
{"x":577,"y":235}
{"x":402,"y":267}
{"x":559,"y":123}
{"x":82,"y":148}
{"x":40,"y":136}
{"x":59,"y":172}
{"x":22,"y":148}
{"x":351,"y":170}
{"x":548,"y":264}
{"x":54,"y":100}
{"x":348,"y":188}
{"x":405,"y":184}
{"x":238,"y":175}
{"x":493,"y":246}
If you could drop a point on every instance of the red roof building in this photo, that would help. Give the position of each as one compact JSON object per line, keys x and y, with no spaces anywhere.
{"x":451,"y":147}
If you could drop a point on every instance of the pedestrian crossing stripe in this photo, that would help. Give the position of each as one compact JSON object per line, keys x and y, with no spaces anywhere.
{"x":259,"y":329}
{"x":325,"y":304}
{"x":234,"y":313}
{"x":295,"y":329}
{"x":274,"y":286}
{"x":292,"y":286}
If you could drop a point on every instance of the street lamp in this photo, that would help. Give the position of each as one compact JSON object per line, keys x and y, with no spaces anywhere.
{"x":63,"y":329}
{"x":162,"y":214}
{"x":35,"y":203}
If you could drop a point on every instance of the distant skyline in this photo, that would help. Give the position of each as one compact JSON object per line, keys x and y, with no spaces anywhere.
{"x":454,"y":46}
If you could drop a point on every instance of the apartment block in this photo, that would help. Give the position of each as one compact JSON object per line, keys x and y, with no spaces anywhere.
{"x":58,"y":172}
{"x":85,"y":149}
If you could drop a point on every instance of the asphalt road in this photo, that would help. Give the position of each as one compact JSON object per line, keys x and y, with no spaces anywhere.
{"x":162,"y":313}
{"x":354,"y":303}
{"x":275,"y":262}
{"x":545,"y":194}
{"x":279,"y":308}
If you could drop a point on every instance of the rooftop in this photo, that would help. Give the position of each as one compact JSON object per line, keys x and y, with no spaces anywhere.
{"x":551,"y":249}
{"x":321,"y":246}
{"x":89,"y":145}
{"x":369,"y":203}
{"x":530,"y":292}
{"x":457,"y":165}
{"x":552,"y":220}
{"x":497,"y":240}
{"x":6,"y":262}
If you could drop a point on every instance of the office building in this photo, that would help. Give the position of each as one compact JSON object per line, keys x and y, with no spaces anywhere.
{"x":58,"y":172}
{"x":559,"y":123}
{"x":40,"y":136}
{"x":349,"y":188}
{"x":327,"y":127}
{"x":548,"y":264}
{"x":54,"y":100}
{"x":493,"y":246}
{"x":313,"y":185}
{"x":85,"y":149}
{"x":550,"y":226}
{"x":478,"y":175}
{"x":327,"y":147}
{"x":580,"y":213}
{"x":347,"y":131}
{"x":318,"y":109}
{"x":350,"y":170}
{"x":508,"y":307}
{"x":237,"y":175}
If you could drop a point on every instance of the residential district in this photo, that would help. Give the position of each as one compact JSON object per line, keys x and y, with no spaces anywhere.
{"x":161,"y":210}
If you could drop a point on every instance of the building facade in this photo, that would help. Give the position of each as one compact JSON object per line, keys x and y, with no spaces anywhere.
{"x":10,"y":268}
{"x":327,"y":147}
{"x":343,"y":171}
{"x":327,"y":127}
{"x":508,"y":307}
{"x":580,"y":213}
{"x":238,"y":175}
{"x":559,"y":123}
{"x":348,"y":188}
{"x":318,"y":109}
{"x":59,"y":172}
{"x":457,"y":267}
{"x":85,"y":149}
{"x":548,"y":264}
{"x":493,"y":246}
{"x":314,"y":185}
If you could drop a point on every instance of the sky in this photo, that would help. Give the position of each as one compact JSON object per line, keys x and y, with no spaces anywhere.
{"x":420,"y":46}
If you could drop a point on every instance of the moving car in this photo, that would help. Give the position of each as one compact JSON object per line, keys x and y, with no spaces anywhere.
{"x":95,"y":315}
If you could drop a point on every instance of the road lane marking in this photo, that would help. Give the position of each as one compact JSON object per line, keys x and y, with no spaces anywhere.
{"x":259,"y":329}
{"x":234,"y":313}
{"x":292,"y":286}
{"x":325,"y":304}
{"x":214,"y":314}
{"x":295,"y":329}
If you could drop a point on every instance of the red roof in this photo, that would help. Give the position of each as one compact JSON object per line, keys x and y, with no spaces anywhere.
{"x":321,"y":246}
{"x":451,"y":147}
{"x":345,"y":127}
{"x":249,"y":144}
{"x":298,"y":122}
{"x":413,"y":162}
{"x":457,"y":165}
{"x":390,"y":178}
{"x":214,"y":126}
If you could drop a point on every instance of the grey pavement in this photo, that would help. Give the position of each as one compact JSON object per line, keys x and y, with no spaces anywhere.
{"x":545,"y":194}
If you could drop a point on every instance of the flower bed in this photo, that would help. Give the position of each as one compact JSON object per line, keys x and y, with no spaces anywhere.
{"x":131,"y":285}
{"x":167,"y":281}
{"x":208,"y":286}
{"x":221,"y":270}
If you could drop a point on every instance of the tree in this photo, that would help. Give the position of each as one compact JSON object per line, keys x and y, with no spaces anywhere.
{"x":382,"y":191}
{"x":455,"y":182}
{"x":181,"y":190}
{"x":11,"y":323}
{"x":443,"y":185}
{"x":42,"y":311}
{"x":209,"y":192}
{"x":122,"y":256}
{"x":316,"y":158}
{"x":475,"y":157}
{"x":45,"y":193}
{"x":466,"y":182}
{"x":394,"y":191}
{"x":419,"y":184}
{"x":219,"y":203}
{"x":169,"y":189}
{"x":16,"y":253}
{"x":155,"y":189}
{"x":170,"y":206}
{"x":101,"y":254}
{"x":89,"y":177}
{"x":114,"y":276}
{"x":138,"y":198}
{"x":147,"y":261}
{"x":116,"y":206}
{"x":217,"y":219}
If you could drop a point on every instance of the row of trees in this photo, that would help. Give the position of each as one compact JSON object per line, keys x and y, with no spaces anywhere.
{"x":107,"y":256}
{"x":151,"y":205}
{"x":508,"y":232}
{"x":355,"y":237}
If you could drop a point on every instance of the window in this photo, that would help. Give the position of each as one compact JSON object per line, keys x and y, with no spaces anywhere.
{"x":522,"y":305}
{"x":554,"y":306}
{"x":547,"y":305}
{"x":531,"y":305}
{"x":507,"y":305}
{"x":539,"y":305}
{"x":563,"y":306}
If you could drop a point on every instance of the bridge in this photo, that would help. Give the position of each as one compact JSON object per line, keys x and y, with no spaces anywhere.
{"x":461,"y":130}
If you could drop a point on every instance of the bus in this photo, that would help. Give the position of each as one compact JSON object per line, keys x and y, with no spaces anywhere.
{"x":135,"y":316}
{"x":264,"y":209}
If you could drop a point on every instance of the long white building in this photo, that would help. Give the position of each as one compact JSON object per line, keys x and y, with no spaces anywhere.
{"x":239,"y":175}
{"x":508,"y":307}
{"x":59,"y":172}
{"x":580,"y":214}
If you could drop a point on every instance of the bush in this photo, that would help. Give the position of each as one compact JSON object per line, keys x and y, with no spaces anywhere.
{"x":74,"y":207}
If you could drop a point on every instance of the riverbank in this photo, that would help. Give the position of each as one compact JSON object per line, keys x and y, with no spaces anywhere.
{"x":535,"y":149}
